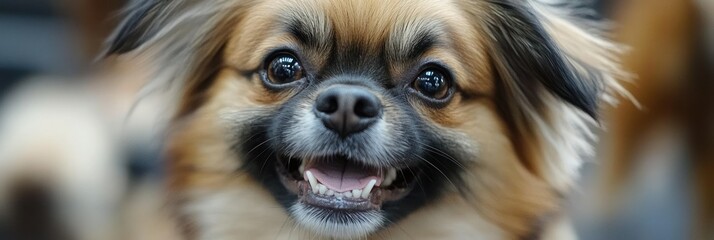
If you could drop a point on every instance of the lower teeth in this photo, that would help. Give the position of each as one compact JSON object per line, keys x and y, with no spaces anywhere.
{"x":318,"y":188}
{"x":323,"y":190}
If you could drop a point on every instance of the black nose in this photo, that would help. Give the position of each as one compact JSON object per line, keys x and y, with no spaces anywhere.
{"x":347,"y":109}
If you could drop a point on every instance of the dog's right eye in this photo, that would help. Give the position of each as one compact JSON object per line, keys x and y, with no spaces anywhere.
{"x":284,"y":68}
{"x":433,"y":84}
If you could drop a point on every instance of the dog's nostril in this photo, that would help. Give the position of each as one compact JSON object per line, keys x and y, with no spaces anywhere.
{"x":328,"y":104}
{"x":347,"y":109}
{"x":366,"y":108}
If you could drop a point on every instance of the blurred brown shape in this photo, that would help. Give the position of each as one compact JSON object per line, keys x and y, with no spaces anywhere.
{"x":32,"y":211}
{"x":673,"y":83}
{"x":95,"y":19}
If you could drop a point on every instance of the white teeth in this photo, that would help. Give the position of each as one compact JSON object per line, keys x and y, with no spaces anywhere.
{"x":313,"y":182}
{"x":368,"y":188}
{"x":323,"y":189}
{"x":318,"y":188}
{"x":386,"y":182}
{"x":389,"y":177}
{"x":302,"y":167}
{"x":357,"y":193}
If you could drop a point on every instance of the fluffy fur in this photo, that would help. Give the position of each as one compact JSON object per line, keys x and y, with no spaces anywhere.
{"x":509,"y":143}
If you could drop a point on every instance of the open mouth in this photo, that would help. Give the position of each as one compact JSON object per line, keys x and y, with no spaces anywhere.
{"x":338,"y":183}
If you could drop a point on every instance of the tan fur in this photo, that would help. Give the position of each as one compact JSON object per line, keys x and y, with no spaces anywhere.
{"x":516,"y":171}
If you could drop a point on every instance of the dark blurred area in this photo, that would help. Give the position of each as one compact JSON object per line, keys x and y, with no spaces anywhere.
{"x":76,"y":163}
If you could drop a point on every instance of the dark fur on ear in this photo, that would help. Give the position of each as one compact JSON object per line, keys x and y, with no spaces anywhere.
{"x":184,"y":37}
{"x":527,"y":55}
{"x":138,"y":25}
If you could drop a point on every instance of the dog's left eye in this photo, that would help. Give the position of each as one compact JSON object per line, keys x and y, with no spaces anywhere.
{"x":284,"y":68}
{"x":432,"y":83}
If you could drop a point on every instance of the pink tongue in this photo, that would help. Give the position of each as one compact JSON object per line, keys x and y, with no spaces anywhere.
{"x":342,"y":176}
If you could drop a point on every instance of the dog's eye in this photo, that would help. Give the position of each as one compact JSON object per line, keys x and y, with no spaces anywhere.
{"x":432,"y":83}
{"x":284,"y":68}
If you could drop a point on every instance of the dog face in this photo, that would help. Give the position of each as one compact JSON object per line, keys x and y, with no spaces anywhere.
{"x":354,"y":115}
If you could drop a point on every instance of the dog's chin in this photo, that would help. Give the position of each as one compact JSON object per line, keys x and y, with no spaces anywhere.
{"x":340,"y":197}
{"x":336,"y":224}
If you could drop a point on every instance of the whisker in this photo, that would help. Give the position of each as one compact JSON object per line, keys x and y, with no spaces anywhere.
{"x":415,"y":176}
{"x":442,"y":173}
{"x":443,"y":154}
{"x":257,"y":146}
{"x":264,"y":162}
{"x":256,"y":158}
{"x":447,"y":156}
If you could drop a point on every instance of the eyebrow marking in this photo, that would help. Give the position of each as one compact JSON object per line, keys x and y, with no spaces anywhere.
{"x":410,"y":42}
{"x":423,"y":44}
{"x":310,"y":30}
{"x":297,"y":29}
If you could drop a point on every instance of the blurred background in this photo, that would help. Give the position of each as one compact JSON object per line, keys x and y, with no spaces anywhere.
{"x":80,"y":160}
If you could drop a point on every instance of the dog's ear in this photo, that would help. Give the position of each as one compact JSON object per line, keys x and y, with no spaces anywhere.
{"x":526,"y":54}
{"x":553,"y":67}
{"x":139,"y":25}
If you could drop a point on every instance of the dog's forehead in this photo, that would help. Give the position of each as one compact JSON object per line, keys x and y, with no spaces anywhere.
{"x":365,"y":35}
{"x":372,"y":24}
{"x":374,"y":36}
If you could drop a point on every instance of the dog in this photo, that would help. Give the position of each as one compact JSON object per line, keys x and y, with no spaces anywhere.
{"x":373,"y":119}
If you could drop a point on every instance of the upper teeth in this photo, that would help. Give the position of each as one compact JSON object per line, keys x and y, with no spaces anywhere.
{"x":302,"y":168}
{"x":389,"y":177}
{"x":313,"y":182}
{"x":368,"y":188}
